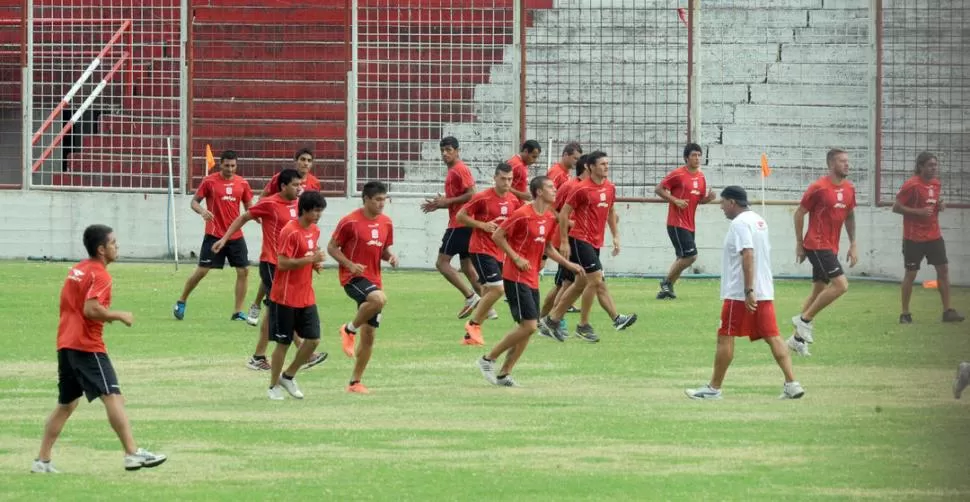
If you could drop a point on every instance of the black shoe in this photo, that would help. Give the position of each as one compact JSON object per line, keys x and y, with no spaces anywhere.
{"x":906,"y":318}
{"x":952,"y":316}
{"x":666,"y":291}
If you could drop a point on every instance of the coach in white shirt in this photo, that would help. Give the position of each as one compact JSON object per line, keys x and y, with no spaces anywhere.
{"x":748,"y":293}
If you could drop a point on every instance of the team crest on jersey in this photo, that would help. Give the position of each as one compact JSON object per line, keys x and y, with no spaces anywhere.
{"x":309,"y":243}
{"x":375,"y":238}
{"x":75,"y":275}
{"x":602,"y":202}
{"x":504,"y":210}
{"x":839,"y":196}
{"x":761,"y":225}
{"x":228,"y":189}
{"x":932,"y":192}
{"x":292,"y":212}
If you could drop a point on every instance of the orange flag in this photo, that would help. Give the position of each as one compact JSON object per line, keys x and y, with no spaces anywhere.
{"x":765,"y":170}
{"x":210,"y":161}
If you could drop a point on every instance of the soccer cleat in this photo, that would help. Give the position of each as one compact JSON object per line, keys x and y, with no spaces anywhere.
{"x":239,"y":316}
{"x":43,"y":467}
{"x":952,"y":316}
{"x":545,"y":327}
{"x":586,"y":333}
{"x":473,"y":334}
{"x":804,"y":329}
{"x":905,"y":318}
{"x":488,"y":370}
{"x":357,"y":388}
{"x":572,"y":310}
{"x":962,"y":379}
{"x":275,"y":393}
{"x":506,"y":381}
{"x":315,"y":359}
{"x":792,"y":390}
{"x":143,"y":458}
{"x":258,"y":364}
{"x":705,"y":392}
{"x":470,"y":303}
{"x":253,"y":317}
{"x":666,"y":291}
{"x":492,"y":314}
{"x":800,"y":348}
{"x":623,"y":322}
{"x":347,"y":340}
{"x":179,"y":310}
{"x":290,"y":386}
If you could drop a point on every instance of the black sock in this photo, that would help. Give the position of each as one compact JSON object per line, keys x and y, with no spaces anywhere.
{"x":287,"y":377}
{"x":259,"y":358}
{"x":804,"y":320}
{"x":499,"y":377}
{"x":473,"y":323}
{"x":354,"y":381}
{"x":469,"y":296}
{"x":485,"y":358}
{"x":799,"y":339}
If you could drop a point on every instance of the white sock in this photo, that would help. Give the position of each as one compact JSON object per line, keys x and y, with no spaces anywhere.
{"x":351,"y":327}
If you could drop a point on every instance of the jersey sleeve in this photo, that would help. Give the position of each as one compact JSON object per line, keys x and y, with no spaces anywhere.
{"x":476,"y":204}
{"x":343,"y":233}
{"x":273,"y":185}
{"x":466,"y":180}
{"x":390,"y":235}
{"x":577,"y":198}
{"x":289,"y":245}
{"x":260,"y":209}
{"x":740,"y":237}
{"x":99,"y":287}
{"x":808,"y":198}
{"x":510,"y":225}
{"x":204,"y":189}
{"x":247,"y":193}
{"x":520,"y":178}
{"x":906,"y":194}
{"x":671,"y":181}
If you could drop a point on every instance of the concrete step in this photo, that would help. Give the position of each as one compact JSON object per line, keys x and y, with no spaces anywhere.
{"x":799,"y":115}
{"x":821,"y":95}
{"x":795,"y":135}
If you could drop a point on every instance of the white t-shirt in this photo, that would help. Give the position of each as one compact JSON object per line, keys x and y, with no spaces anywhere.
{"x":747,"y":231}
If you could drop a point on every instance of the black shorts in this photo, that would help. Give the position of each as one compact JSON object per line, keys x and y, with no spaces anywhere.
{"x":523,"y":301}
{"x":235,"y":250}
{"x":683,"y":241}
{"x":563,"y":274}
{"x":357,"y":289}
{"x":488,"y":268}
{"x":585,"y":255}
{"x":267,"y":272}
{"x":305,"y":321}
{"x":455,"y":242}
{"x":825,"y":265}
{"x":84,"y":373}
{"x":933,"y":251}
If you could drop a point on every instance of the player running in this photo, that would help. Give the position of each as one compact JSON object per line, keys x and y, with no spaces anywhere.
{"x":520,"y":162}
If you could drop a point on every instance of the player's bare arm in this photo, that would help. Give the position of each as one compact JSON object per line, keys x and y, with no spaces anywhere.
{"x":96,"y":312}
{"x":389,"y":256}
{"x":468,"y":221}
{"x":853,"y":255}
{"x":503,"y":244}
{"x":709,"y":197}
{"x":554,"y":254}
{"x":665,"y":194}
{"x":523,"y":196}
{"x":201,"y":211}
{"x":919,"y":212}
{"x":290,"y":263}
{"x":614,"y":223}
{"x":564,"y":229}
{"x":333,"y":249}
{"x":748,"y":270}
{"x":234,"y":227}
{"x":800,"y":233}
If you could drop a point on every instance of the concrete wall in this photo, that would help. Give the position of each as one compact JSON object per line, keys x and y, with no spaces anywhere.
{"x":50,"y":224}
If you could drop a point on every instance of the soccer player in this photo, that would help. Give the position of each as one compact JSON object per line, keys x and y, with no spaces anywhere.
{"x":524,"y":237}
{"x":302,"y":162}
{"x":459,"y":188}
{"x":483,"y":214}
{"x":520,"y":162}
{"x":748,"y":294}
{"x":273,"y":212}
{"x":223,"y":192}
{"x":83,"y":366}
{"x":360,"y":242}
{"x":829,"y":203}
{"x":592,"y":201}
{"x":683,"y":189}
{"x":559,"y":172}
{"x":920,"y":201}
{"x":294,"y":307}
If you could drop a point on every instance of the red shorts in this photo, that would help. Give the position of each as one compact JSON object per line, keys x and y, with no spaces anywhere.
{"x":736,"y":320}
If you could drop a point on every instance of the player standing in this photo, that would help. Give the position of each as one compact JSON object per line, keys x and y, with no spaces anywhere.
{"x":829,"y":203}
{"x":520,"y":162}
{"x":748,"y":292}
{"x":459,"y":188}
{"x":920,"y":201}
{"x":294,"y":307}
{"x":83,"y":366}
{"x":683,"y":189}
{"x":524,"y":237}
{"x":360,"y":242}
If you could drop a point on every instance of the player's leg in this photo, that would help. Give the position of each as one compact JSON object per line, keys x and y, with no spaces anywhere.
{"x":54,"y":426}
{"x":722,"y":360}
{"x":114,"y":406}
{"x":835,"y":289}
{"x":829,"y":283}
{"x":284,"y":322}
{"x":237,"y":254}
{"x":308,"y":328}
{"x":443,"y":264}
{"x":469,"y":270}
{"x":69,"y":392}
{"x":256,"y":307}
{"x":685,"y":251}
{"x":593,"y":281}
{"x":450,"y":246}
{"x":365,"y":347}
{"x":208,"y":260}
{"x":370,"y":303}
{"x":936,"y":256}
{"x":912,"y":257}
{"x":513,"y":354}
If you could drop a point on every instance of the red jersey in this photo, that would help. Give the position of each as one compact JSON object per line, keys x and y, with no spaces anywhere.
{"x":363,"y":241}
{"x":558,"y":174}
{"x":828,"y":206}
{"x":87,"y":280}
{"x":294,"y":287}
{"x":222,"y":199}
{"x":520,"y":174}
{"x":273,"y":212}
{"x":486,"y":206}
{"x":688,"y":186}
{"x":310,"y":182}
{"x":562,"y":194}
{"x":527,"y":233}
{"x":591,"y":205}
{"x":458,"y":180}
{"x":917,"y":193}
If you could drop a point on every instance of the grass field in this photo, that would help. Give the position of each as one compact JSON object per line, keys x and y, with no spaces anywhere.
{"x":592,"y":422}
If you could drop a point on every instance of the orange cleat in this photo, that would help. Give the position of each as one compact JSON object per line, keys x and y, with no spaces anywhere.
{"x":358,"y":388}
{"x":474,"y":334}
{"x":347,"y":340}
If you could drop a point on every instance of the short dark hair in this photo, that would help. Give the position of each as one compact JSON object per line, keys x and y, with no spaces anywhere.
{"x":503,"y":167}
{"x":690,"y":148}
{"x":829,"y":157}
{"x":373,"y":189}
{"x":448,"y":141}
{"x":96,"y":236}
{"x":536,"y":184}
{"x":581,"y":165}
{"x":228,"y":155}
{"x":310,"y":200}
{"x":571,"y":148}
{"x":922,"y":159}
{"x":594,"y":157}
{"x":303,"y":151}
{"x":531,"y":146}
{"x":286,"y":177}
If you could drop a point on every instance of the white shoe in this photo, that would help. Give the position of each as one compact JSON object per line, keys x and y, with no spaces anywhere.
{"x":804,"y":329}
{"x":43,"y":467}
{"x":506,"y":381}
{"x":797,"y":347}
{"x":253,"y":317}
{"x":291,"y":387}
{"x":492,"y":314}
{"x":962,"y":379}
{"x":488,"y":370}
{"x":792,"y":390}
{"x":470,"y":303}
{"x":143,"y":458}
{"x":705,"y":392}
{"x":275,"y":393}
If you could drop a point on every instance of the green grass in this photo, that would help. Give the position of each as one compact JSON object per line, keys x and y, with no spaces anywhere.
{"x":592,"y":422}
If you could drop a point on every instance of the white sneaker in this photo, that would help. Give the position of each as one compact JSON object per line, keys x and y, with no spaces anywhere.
{"x":275,"y":393}
{"x":962,"y":379}
{"x":492,"y":314}
{"x":143,"y":458}
{"x":804,"y":329}
{"x":705,"y":392}
{"x":488,"y":370}
{"x":43,"y":467}
{"x":470,"y":304}
{"x":506,"y":381}
{"x":797,"y":347}
{"x":291,"y":387}
{"x":792,"y":390}
{"x":253,"y":317}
